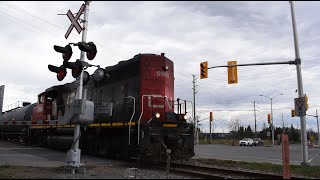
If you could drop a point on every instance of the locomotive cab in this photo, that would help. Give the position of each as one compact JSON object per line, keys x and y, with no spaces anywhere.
{"x":43,"y":109}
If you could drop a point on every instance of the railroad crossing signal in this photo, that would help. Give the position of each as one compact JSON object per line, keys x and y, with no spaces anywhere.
{"x":269,"y":118}
{"x":293,"y":114}
{"x":76,"y":67}
{"x":204,"y":70}
{"x":90,"y":48}
{"x":66,"y":51}
{"x":211,"y":117}
{"x":61,"y":71}
{"x":232,"y":73}
{"x":74,"y":21}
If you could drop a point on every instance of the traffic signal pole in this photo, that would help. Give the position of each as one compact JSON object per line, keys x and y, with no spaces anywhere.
{"x":73,"y":155}
{"x":300,"y":89}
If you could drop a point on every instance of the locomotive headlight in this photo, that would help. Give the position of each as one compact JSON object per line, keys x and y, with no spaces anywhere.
{"x":156,"y":115}
{"x":185,"y":117}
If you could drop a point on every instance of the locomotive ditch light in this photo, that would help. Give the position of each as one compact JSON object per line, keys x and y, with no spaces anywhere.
{"x":185,"y":117}
{"x":156,"y":115}
{"x":66,"y":51}
{"x":90,"y":48}
{"x":61,"y":71}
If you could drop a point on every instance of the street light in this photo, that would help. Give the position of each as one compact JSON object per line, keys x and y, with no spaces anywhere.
{"x":272,"y":128}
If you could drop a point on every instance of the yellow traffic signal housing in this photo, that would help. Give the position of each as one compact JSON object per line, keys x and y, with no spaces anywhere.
{"x":204,"y":70}
{"x":232,"y":73}
{"x":306,"y":102}
{"x":268,"y":118}
{"x":293,"y":113}
{"x":211,"y":118}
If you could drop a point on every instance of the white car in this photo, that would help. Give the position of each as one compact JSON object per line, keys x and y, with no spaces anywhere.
{"x":246,"y":142}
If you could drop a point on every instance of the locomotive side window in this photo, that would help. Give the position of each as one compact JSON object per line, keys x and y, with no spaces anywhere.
{"x":71,"y":97}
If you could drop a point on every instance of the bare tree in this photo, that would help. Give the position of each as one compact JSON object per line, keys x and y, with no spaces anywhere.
{"x":234,"y":124}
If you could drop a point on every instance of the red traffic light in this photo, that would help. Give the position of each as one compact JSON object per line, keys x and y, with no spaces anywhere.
{"x":90,"y":48}
{"x":66,"y":51}
{"x":61,"y":71}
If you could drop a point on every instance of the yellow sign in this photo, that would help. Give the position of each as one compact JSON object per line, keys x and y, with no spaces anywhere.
{"x":232,"y":73}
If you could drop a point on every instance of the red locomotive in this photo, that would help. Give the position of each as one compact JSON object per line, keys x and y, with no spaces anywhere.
{"x":134,"y":114}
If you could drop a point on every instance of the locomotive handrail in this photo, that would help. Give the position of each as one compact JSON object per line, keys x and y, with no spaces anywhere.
{"x":134,"y":110}
{"x":151,"y":95}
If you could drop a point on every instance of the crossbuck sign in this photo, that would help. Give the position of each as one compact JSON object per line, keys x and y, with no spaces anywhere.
{"x":74,"y":21}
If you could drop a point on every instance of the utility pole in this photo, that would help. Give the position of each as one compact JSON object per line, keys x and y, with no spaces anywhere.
{"x":318,"y":127}
{"x":255,"y":118}
{"x":194,"y":108}
{"x":197,"y":134}
{"x":300,"y":89}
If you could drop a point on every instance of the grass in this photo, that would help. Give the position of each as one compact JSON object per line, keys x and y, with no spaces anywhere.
{"x":296,"y":170}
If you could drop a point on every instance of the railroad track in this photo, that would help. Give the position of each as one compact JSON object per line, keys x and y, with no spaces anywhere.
{"x":218,"y":173}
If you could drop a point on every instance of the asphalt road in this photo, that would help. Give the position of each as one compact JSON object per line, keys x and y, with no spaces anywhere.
{"x":256,"y":153}
{"x":21,"y":155}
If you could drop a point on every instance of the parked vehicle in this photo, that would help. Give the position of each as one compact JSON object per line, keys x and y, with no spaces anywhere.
{"x":258,"y":142}
{"x":246,"y":142}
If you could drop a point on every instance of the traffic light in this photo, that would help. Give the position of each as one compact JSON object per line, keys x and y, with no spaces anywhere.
{"x":66,"y":51}
{"x":61,"y":71}
{"x":90,"y":48}
{"x":293,"y":113}
{"x":269,"y":118}
{"x":76,"y":67}
{"x":211,"y":116}
{"x":204,"y":70}
{"x":232,"y":73}
{"x":306,"y":102}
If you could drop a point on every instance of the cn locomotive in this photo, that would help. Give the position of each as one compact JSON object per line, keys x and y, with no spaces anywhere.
{"x":134,"y":114}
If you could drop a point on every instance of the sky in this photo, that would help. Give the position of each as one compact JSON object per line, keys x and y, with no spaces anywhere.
{"x":188,"y":32}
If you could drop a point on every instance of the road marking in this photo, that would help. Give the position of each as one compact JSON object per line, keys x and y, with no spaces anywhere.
{"x":314,"y":157}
